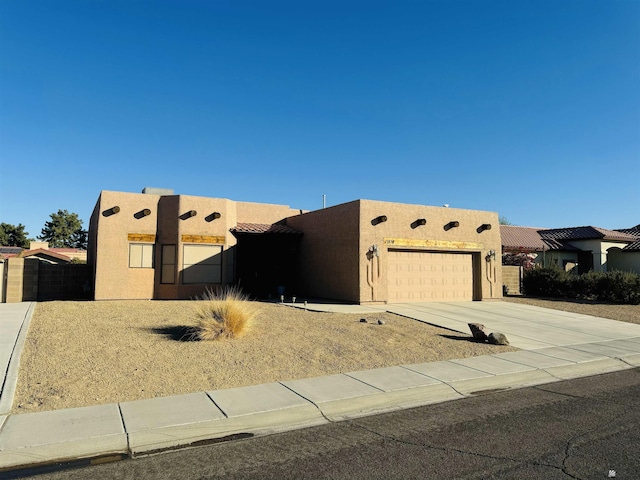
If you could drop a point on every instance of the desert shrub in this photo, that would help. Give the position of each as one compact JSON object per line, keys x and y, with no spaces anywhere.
{"x":619,"y":287}
{"x":614,"y":286}
{"x":223,"y":313}
{"x":546,"y":282}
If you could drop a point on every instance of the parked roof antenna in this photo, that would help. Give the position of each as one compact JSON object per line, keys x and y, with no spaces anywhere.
{"x":324,"y":201}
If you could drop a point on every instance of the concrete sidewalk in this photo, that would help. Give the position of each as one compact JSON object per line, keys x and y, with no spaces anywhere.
{"x":14,"y":324}
{"x":555,"y":346}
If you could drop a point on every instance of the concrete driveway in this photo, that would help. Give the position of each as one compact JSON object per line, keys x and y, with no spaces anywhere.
{"x":525,"y":326}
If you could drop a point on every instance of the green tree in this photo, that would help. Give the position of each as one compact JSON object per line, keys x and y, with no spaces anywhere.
{"x":64,"y":230}
{"x":13,"y":236}
{"x":504,"y":221}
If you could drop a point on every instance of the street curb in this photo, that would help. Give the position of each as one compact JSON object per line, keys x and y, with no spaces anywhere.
{"x":11,"y":380}
{"x":177,"y":435}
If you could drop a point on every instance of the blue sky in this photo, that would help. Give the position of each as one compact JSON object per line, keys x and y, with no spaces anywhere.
{"x":527,"y":108}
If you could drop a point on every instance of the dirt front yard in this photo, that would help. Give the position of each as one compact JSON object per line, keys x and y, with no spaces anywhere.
{"x":88,"y":353}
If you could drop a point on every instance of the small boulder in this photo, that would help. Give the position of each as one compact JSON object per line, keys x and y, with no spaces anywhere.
{"x":478,"y":332}
{"x":497,"y":338}
{"x":363,"y":320}
{"x":380,"y":322}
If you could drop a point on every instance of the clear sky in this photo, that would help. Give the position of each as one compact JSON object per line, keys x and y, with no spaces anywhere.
{"x":527,"y":108}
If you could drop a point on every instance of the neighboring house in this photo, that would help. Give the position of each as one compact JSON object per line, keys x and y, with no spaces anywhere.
{"x":8,"y":252}
{"x":45,"y":255}
{"x":157,"y":245}
{"x":585,"y":248}
{"x":68,"y":253}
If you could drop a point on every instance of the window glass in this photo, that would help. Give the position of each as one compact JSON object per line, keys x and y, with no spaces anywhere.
{"x":202,"y":264}
{"x":141,"y":255}
{"x":168,"y":271}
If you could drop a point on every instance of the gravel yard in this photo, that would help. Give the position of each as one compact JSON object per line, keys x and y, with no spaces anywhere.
{"x":88,"y":353}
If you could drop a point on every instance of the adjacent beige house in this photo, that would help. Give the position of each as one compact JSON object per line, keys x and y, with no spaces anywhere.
{"x":157,"y":245}
{"x":585,"y":248}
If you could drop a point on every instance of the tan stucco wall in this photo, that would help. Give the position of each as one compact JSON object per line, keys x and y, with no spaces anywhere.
{"x":337,"y":240}
{"x":113,"y":277}
{"x":168,"y":224}
{"x":430,"y":237}
{"x":329,"y":249}
{"x":333,"y":251}
{"x":249,"y":212}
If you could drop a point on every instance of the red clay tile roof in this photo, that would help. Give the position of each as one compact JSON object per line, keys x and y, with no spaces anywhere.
{"x":632,"y":247}
{"x":586,"y":233}
{"x":631,"y":231}
{"x":45,"y":252}
{"x":264,"y":228}
{"x":528,"y":239}
{"x":521,"y":238}
{"x":8,"y":252}
{"x":64,"y":251}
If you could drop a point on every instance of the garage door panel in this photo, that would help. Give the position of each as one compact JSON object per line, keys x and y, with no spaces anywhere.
{"x":429,"y":276}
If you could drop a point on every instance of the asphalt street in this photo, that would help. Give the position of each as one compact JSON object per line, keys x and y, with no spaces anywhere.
{"x":587,"y":428}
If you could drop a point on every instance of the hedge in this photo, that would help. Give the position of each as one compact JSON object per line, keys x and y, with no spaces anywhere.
{"x":614,"y":287}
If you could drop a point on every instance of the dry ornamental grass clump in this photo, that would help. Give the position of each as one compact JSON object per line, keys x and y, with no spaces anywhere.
{"x":226,"y":313}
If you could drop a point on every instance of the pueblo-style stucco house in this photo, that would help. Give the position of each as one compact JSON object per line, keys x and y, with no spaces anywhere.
{"x":157,"y":245}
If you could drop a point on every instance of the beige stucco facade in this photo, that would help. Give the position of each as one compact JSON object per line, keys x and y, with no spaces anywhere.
{"x":163,"y":222}
{"x":148,"y":246}
{"x":346,"y":253}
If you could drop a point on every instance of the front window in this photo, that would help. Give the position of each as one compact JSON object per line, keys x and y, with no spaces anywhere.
{"x":141,"y":255}
{"x":202,"y":264}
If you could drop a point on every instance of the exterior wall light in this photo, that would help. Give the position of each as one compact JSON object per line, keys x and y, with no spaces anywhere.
{"x":483,"y":227}
{"x":142,"y":213}
{"x":380,"y":219}
{"x":111,"y":211}
{"x":451,"y":225}
{"x":419,"y":223}
{"x":212,"y":217}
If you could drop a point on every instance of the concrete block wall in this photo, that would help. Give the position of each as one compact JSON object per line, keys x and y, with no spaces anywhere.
{"x":21,"y":280}
{"x":512,"y":278}
{"x":64,"y":282}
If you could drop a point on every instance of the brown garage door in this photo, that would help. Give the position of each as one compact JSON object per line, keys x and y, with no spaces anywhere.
{"x":429,"y":276}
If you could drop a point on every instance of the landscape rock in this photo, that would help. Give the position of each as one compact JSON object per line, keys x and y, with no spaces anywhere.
{"x":478,"y":332}
{"x":363,"y":320}
{"x":381,"y":322}
{"x":497,"y":338}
